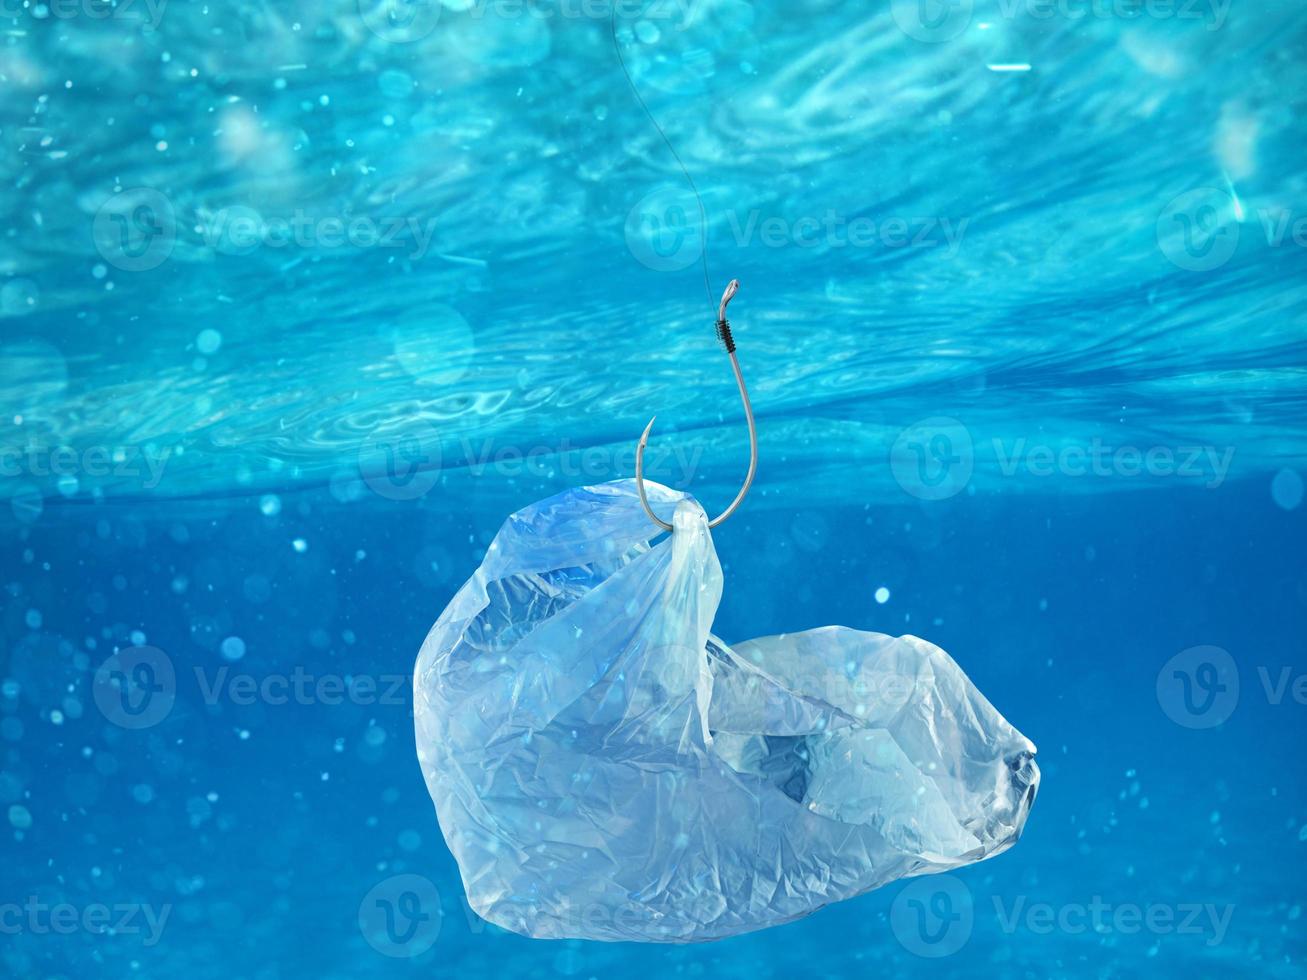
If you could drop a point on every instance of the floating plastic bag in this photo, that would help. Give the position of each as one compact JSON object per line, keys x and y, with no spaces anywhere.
{"x":603,"y":767}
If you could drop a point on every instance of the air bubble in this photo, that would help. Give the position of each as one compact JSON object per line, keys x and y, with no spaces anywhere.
{"x":233,"y":648}
{"x":208,"y":341}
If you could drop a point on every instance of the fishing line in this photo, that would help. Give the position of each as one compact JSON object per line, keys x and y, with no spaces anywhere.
{"x":723,"y":326}
{"x":703,"y":214}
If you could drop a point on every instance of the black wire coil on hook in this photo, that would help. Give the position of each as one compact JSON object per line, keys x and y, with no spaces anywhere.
{"x":724,"y":335}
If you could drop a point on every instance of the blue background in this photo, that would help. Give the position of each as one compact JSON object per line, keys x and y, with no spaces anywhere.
{"x":150,"y":308}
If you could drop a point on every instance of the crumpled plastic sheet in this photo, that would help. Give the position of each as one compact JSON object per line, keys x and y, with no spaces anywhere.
{"x":604,"y":767}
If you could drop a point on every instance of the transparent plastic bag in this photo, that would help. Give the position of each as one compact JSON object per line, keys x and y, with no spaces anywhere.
{"x":603,"y":767}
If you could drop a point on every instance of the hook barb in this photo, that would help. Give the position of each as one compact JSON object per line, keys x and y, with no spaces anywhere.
{"x":639,"y":476}
{"x":724,"y":333}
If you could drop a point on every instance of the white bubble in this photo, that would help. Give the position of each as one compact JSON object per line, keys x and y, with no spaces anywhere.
{"x":208,"y":341}
{"x":270,"y":505}
{"x":20,"y":817}
{"x":300,"y":545}
{"x":882,"y":595}
{"x":233,"y":648}
{"x":1286,"y":489}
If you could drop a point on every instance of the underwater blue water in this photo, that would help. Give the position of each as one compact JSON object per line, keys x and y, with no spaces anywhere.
{"x":298,"y":301}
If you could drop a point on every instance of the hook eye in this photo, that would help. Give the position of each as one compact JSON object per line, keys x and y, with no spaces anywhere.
{"x":732,"y":288}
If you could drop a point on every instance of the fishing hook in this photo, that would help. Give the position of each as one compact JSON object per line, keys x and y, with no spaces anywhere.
{"x":724,"y":335}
